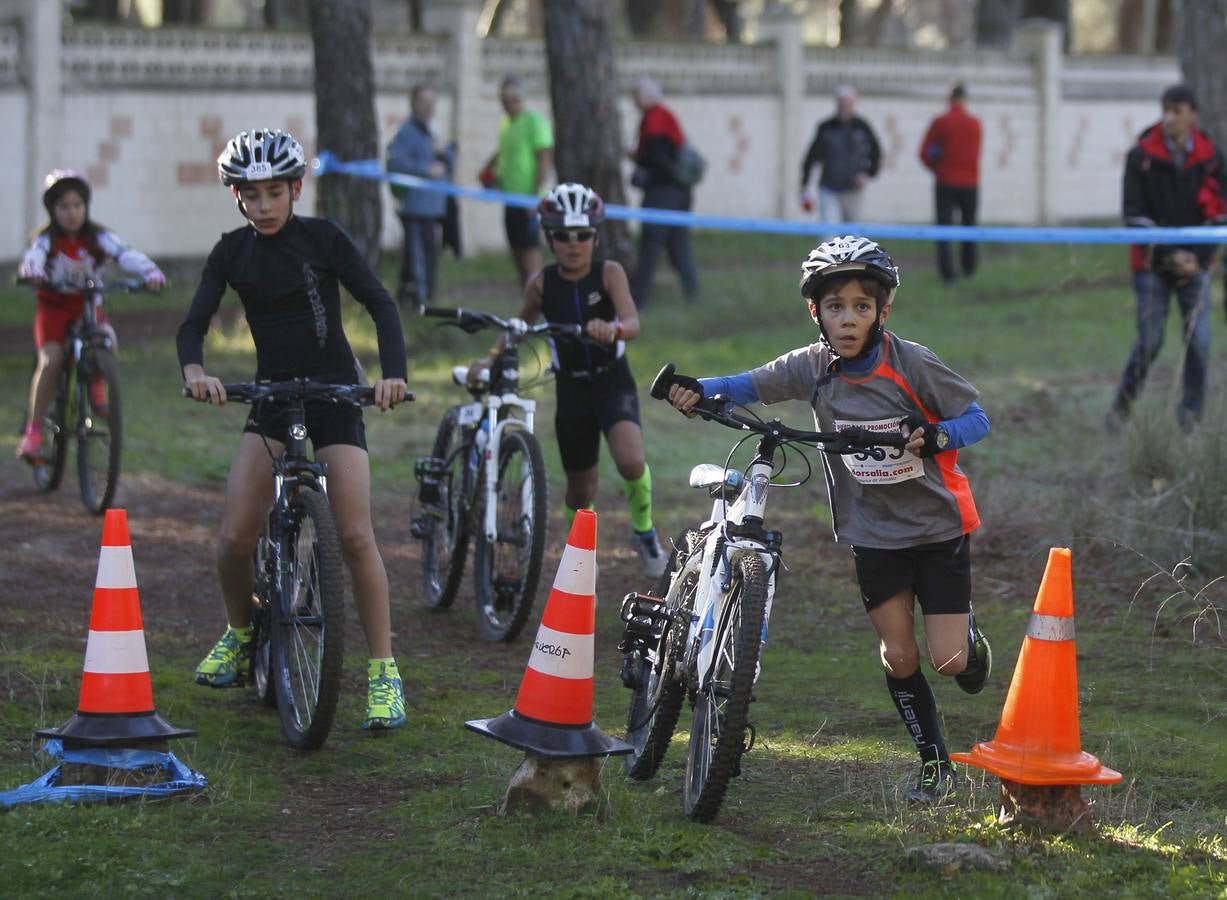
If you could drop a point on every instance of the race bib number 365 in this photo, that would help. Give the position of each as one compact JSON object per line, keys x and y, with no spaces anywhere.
{"x":897,"y":465}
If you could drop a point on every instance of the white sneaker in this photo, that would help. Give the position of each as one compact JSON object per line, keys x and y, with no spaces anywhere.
{"x":652,"y":559}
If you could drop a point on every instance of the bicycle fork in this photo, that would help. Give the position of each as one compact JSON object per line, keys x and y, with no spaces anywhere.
{"x":488,"y":449}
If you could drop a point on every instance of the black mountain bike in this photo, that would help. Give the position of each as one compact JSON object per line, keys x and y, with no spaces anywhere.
{"x":485,"y":477}
{"x":298,"y":603}
{"x":86,"y":405}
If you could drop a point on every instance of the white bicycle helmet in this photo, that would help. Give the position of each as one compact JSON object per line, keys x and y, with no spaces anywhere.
{"x":60,"y":180}
{"x":847,"y":255}
{"x":263,"y":154}
{"x":571,"y":205}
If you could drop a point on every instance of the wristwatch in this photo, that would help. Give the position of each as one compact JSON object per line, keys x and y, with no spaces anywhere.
{"x":941,"y":440}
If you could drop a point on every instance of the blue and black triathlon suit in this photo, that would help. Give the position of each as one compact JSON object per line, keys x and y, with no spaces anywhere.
{"x":594,"y":384}
{"x":288,"y":284}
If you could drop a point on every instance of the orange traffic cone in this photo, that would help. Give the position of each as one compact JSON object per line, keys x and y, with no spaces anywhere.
{"x":1038,"y":740}
{"x":116,"y":701}
{"x":553,"y":710}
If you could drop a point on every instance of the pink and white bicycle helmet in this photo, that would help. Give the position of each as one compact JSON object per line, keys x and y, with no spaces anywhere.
{"x":571,"y":205}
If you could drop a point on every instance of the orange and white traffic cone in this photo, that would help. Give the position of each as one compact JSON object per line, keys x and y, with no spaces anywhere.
{"x":553,"y":710}
{"x":116,"y":700}
{"x":1038,"y":740}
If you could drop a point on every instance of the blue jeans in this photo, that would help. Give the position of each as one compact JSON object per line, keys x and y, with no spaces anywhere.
{"x":1154,"y":293}
{"x":420,"y":256}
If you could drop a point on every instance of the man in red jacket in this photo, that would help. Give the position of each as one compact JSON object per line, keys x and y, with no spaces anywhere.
{"x":1173,"y":177}
{"x":951,"y":150}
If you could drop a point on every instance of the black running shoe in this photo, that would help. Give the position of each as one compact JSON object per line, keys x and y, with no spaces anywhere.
{"x":937,"y":782}
{"x":979,"y":659}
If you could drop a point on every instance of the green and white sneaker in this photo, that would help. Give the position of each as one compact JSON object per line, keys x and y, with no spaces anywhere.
{"x":385,"y":696}
{"x":937,"y":782}
{"x":229,"y":660}
{"x":979,"y":659}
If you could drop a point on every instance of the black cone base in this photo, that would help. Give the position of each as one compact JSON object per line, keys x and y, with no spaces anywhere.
{"x":546,"y":739}
{"x":103,"y":730}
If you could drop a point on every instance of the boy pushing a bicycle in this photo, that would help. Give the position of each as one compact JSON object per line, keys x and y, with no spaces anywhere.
{"x":907,"y":518}
{"x":286,"y":270}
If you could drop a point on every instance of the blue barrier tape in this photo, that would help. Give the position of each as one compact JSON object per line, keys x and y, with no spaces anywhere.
{"x":47,"y":788}
{"x":372,"y":169}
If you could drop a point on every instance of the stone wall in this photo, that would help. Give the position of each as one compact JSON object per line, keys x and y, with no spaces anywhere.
{"x":145,"y":113}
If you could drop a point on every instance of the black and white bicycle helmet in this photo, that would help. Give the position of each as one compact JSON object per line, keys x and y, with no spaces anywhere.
{"x":60,"y":180}
{"x":847,"y":255}
{"x":571,"y":205}
{"x":263,"y":154}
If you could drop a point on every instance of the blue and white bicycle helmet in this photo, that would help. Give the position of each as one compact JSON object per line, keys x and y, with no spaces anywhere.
{"x":263,"y":154}
{"x":847,"y":255}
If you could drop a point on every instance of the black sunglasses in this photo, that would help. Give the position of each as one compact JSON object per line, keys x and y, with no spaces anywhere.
{"x":563,"y":236}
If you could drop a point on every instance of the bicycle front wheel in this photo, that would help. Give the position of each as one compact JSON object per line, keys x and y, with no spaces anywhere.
{"x":49,"y":469}
{"x":445,"y":524}
{"x":99,"y":430}
{"x":722,"y":700}
{"x":656,"y":698}
{"x":506,"y":570}
{"x":308,"y":631}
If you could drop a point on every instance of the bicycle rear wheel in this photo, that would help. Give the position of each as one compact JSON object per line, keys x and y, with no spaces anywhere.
{"x":445,"y":524}
{"x":656,"y":698}
{"x":99,"y":429}
{"x":722,"y":701}
{"x":309,"y":624}
{"x":49,"y":468}
{"x":506,"y":570}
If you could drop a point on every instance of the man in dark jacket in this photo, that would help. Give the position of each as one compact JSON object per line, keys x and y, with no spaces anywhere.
{"x":951,"y":150}
{"x":416,"y":151}
{"x":847,"y":150}
{"x":1173,"y":177}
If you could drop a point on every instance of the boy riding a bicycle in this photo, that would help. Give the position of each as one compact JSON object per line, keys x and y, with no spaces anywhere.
{"x":907,"y":518}
{"x":595,"y":388}
{"x":286,"y":270}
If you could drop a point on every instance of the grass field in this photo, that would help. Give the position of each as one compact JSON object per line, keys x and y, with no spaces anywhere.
{"x":1041,"y":331}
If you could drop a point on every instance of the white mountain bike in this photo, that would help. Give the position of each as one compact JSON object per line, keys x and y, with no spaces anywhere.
{"x":701,"y":635}
{"x":485,"y":477}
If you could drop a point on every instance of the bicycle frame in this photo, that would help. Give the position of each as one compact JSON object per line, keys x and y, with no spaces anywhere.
{"x":733,"y":528}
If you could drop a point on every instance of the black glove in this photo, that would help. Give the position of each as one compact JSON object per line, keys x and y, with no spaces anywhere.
{"x":911,"y":423}
{"x":686,"y":383}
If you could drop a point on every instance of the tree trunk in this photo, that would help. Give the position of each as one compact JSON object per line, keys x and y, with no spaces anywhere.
{"x":1203,"y":34}
{"x":345,"y":115}
{"x":730,"y":18}
{"x":587,"y":128}
{"x":877,"y":23}
{"x":184,"y":12}
{"x":848,"y":32}
{"x":641,"y":17}
{"x":289,"y":14}
{"x":1052,"y":10}
{"x":995,"y":21}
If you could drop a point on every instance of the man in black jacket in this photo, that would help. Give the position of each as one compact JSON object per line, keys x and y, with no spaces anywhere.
{"x":1173,"y":177}
{"x":847,"y":151}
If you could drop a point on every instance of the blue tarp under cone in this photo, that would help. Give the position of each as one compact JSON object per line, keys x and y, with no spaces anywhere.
{"x":47,"y":789}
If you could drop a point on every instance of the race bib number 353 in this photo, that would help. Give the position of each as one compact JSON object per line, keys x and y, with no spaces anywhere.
{"x":897,"y":465}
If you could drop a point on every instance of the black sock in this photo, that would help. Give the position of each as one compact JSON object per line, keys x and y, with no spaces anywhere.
{"x":914,"y":699}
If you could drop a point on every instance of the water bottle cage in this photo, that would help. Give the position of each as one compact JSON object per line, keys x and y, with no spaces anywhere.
{"x":430,"y":472}
{"x":646,"y":619}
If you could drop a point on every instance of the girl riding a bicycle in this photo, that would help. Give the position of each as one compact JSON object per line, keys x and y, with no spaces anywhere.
{"x":908,"y":518}
{"x":67,"y":253}
{"x":286,"y":270}
{"x":595,"y":388}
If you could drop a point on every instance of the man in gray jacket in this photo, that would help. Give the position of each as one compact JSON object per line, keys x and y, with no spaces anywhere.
{"x":416,"y":151}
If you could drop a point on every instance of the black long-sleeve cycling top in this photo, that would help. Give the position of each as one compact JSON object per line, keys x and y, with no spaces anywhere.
{"x":287,"y":283}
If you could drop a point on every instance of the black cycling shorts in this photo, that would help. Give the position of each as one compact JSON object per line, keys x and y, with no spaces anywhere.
{"x":589,"y":407}
{"x":327,"y":423}
{"x":939,"y":574}
{"x":522,"y":227}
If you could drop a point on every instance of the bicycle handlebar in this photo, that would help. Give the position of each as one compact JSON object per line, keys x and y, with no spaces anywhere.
{"x":128,"y":285}
{"x":300,"y":389}
{"x":715,"y":409}
{"x":472,"y":321}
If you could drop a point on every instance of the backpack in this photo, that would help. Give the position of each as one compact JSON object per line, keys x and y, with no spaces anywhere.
{"x":689,"y":166}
